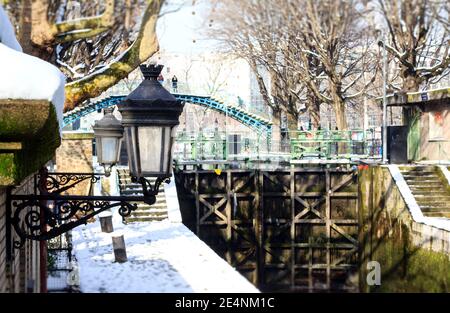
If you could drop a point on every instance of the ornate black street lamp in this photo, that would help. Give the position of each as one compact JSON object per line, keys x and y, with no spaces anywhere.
{"x":108,"y":134}
{"x":150,"y":115}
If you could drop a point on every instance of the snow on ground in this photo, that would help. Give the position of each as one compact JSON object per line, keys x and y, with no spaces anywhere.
{"x":23,"y":76}
{"x":162,"y":257}
{"x":414,"y":209}
{"x":173,"y":206}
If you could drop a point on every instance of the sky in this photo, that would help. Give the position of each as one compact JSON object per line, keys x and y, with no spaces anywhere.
{"x":181,"y":31}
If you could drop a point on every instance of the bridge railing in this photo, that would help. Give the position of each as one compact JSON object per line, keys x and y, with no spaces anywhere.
{"x":219,"y":145}
{"x":296,"y":145}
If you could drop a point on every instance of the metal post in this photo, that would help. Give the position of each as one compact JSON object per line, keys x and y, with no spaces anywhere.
{"x":226,"y":131}
{"x":384,"y":100}
{"x":366,"y":117}
{"x":365,"y":126}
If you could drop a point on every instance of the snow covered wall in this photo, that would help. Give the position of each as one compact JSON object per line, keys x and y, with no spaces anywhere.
{"x":26,"y":77}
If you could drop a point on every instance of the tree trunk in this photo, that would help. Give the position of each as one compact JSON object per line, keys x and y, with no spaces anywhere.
{"x":341,"y":123}
{"x":37,"y":35}
{"x":25,"y":27}
{"x":411,"y":82}
{"x":292,"y":125}
{"x":338,"y":104}
{"x":313,"y":109}
{"x":276,"y":130}
{"x":292,"y":120}
{"x":341,"y":119}
{"x":127,"y":24}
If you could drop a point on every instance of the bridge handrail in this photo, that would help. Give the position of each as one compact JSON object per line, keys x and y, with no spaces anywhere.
{"x":257,"y":123}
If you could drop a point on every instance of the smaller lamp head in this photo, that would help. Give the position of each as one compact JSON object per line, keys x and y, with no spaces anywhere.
{"x":108,"y":133}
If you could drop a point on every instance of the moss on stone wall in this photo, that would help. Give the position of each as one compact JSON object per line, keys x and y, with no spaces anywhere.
{"x":386,"y":237}
{"x":408,"y":268}
{"x":7,"y":169}
{"x":22,"y":119}
{"x":39,"y":146}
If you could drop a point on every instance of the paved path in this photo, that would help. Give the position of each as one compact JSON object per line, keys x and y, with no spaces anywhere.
{"x":162,"y":257}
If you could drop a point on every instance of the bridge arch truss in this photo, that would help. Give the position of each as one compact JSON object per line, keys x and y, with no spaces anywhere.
{"x":257,"y":123}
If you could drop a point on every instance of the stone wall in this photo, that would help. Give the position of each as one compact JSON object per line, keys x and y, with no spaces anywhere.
{"x":413,"y":257}
{"x":22,"y":273}
{"x":75,"y":155}
{"x":29,"y":136}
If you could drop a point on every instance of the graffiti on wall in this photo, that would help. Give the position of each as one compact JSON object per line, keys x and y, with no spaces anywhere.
{"x":436,"y":131}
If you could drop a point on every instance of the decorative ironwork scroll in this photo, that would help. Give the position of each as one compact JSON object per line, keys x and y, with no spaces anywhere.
{"x":60,"y":182}
{"x":43,"y":218}
{"x":149,"y":190}
{"x":47,"y":215}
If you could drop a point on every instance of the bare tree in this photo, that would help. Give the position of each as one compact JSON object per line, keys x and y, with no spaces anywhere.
{"x":315,"y":52}
{"x":218,"y":71}
{"x":330,"y":52}
{"x":145,"y":45}
{"x":251,"y":34}
{"x":419,"y":39}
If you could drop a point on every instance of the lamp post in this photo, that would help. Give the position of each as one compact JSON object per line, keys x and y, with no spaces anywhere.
{"x":150,"y":116}
{"x":226,"y":132}
{"x":384,"y":160}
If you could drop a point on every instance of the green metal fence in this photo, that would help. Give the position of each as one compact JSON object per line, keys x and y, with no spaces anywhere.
{"x":219,"y":145}
{"x":335,"y":144}
{"x":326,"y":144}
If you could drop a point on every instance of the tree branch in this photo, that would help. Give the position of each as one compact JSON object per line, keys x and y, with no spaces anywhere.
{"x":143,"y":48}
{"x":85,"y":27}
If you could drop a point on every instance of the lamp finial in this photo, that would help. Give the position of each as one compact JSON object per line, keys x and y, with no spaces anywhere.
{"x":151,"y":71}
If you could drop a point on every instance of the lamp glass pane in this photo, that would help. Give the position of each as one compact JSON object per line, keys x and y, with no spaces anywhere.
{"x":98,"y":149}
{"x":167,"y":139}
{"x":118,"y":149}
{"x":154,"y":145}
{"x":171,"y":148}
{"x":109,"y":150}
{"x":133,"y":157}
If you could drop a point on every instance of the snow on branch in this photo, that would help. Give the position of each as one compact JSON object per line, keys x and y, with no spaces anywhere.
{"x":72,"y":70}
{"x":352,"y":83}
{"x":439,"y":67}
{"x":66,"y":31}
{"x":363,"y":89}
{"x":311,"y":53}
{"x":392,"y":50}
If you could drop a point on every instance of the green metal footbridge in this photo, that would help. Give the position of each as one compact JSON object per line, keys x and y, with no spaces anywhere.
{"x":255,"y":122}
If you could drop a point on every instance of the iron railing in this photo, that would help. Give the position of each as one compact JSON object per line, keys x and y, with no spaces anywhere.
{"x":335,"y":144}
{"x":60,"y":264}
{"x":296,"y":145}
